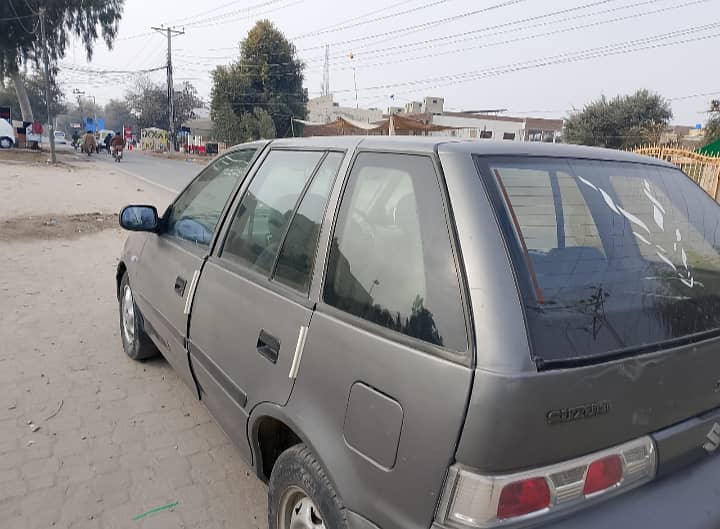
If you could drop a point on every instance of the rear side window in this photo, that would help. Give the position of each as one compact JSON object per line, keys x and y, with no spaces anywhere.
{"x":265,"y":211}
{"x":391,"y":261}
{"x":622,"y":257}
{"x":294,"y":266}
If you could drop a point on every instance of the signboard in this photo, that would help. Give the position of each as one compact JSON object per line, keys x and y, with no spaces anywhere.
{"x":153,"y":139}
{"x":93,"y":124}
{"x":5,"y":114}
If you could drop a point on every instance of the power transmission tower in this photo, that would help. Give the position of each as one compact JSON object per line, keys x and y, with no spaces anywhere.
{"x":326,"y":72}
{"x":170,"y":89}
{"x":51,"y":132}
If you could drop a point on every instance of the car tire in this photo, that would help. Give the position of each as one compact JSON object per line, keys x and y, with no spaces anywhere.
{"x":136,"y":343}
{"x":301,"y":495}
{"x":5,"y":143}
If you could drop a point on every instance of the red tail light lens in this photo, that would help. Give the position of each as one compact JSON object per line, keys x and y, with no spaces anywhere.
{"x":523,"y":497}
{"x":603,"y":474}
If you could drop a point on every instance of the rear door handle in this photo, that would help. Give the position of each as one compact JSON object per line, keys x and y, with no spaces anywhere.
{"x":268,"y":346}
{"x":180,"y":284}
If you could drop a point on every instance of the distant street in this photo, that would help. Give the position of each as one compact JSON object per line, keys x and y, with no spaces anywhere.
{"x":170,"y":174}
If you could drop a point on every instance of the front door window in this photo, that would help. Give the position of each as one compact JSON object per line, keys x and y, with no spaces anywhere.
{"x":196,"y":212}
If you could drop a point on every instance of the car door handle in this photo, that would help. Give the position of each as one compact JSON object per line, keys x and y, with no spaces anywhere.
{"x":268,"y":346}
{"x":180,"y":284}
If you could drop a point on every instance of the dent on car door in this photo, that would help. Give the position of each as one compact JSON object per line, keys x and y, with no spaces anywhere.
{"x":384,"y":380}
{"x":251,"y":307}
{"x":169,"y":265}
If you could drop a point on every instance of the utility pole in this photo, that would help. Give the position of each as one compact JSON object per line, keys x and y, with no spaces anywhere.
{"x":79,"y":93}
{"x":352,"y":60}
{"x":51,"y":132}
{"x":326,"y":72}
{"x":170,"y":89}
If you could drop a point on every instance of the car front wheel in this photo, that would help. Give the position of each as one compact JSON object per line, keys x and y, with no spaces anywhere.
{"x":301,"y":496}
{"x":6,"y":143}
{"x":136,"y":343}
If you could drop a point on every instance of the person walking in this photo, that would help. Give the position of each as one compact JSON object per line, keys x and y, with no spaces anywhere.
{"x":89,"y":144}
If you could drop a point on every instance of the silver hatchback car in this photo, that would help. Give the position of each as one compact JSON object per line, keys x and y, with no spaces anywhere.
{"x":405,"y":333}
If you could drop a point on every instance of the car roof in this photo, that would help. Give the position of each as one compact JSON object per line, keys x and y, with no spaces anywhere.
{"x":551,"y":150}
{"x":484,"y":147}
{"x":440,"y":144}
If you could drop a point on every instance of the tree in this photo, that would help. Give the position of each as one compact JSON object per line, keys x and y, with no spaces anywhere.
{"x":266,"y":80}
{"x":712,"y":128}
{"x":148,"y":103}
{"x":118,"y":115}
{"x":621,"y":122}
{"x":234,"y":129}
{"x":20,"y":41}
{"x":35,"y":90}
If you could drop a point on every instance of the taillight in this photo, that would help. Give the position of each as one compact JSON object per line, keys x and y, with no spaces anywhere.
{"x":603,"y":474}
{"x":474,"y":500}
{"x":523,"y":497}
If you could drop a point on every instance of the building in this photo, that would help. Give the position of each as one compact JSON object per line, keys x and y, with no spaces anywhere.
{"x":413,"y":107}
{"x":433,"y":105}
{"x":476,"y":124}
{"x":495,"y":127}
{"x":684,"y":136}
{"x":431,"y":112}
{"x":324,"y":109}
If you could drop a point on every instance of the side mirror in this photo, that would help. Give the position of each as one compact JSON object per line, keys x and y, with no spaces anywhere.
{"x":139,"y":218}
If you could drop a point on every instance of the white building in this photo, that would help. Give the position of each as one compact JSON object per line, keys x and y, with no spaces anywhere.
{"x":433,"y":105}
{"x":431,"y":111}
{"x":484,"y":126}
{"x":324,"y":109}
{"x":413,"y":107}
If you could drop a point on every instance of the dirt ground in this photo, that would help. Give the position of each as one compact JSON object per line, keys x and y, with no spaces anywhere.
{"x":89,"y":438}
{"x":55,"y":226}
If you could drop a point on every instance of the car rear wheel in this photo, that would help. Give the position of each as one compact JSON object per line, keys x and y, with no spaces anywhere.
{"x":136,"y":343}
{"x":6,"y":143}
{"x":301,"y":496}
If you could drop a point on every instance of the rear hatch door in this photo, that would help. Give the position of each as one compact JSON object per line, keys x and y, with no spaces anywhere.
{"x":618,"y":266}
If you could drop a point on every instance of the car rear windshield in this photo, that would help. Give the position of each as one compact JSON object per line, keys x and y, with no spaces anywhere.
{"x":619,"y":258}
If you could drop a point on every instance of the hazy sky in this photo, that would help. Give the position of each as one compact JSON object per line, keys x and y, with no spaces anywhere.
{"x":477,"y":54}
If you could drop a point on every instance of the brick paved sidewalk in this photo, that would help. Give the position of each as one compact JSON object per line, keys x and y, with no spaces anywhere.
{"x":116,"y":438}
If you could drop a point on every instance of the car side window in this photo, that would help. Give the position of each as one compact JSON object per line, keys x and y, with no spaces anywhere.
{"x":196,"y":212}
{"x":391,"y":260}
{"x":297,"y":257}
{"x":265,"y":211}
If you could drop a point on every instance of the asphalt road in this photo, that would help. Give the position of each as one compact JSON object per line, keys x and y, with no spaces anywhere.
{"x":173,"y":175}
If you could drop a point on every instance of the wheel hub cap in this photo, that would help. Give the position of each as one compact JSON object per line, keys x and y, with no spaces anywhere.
{"x":127,"y":310}
{"x":298,"y":511}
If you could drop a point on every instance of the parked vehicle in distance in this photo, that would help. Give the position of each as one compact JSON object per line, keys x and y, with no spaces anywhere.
{"x":60,"y":138}
{"x":8,"y":139}
{"x":412,"y":332}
